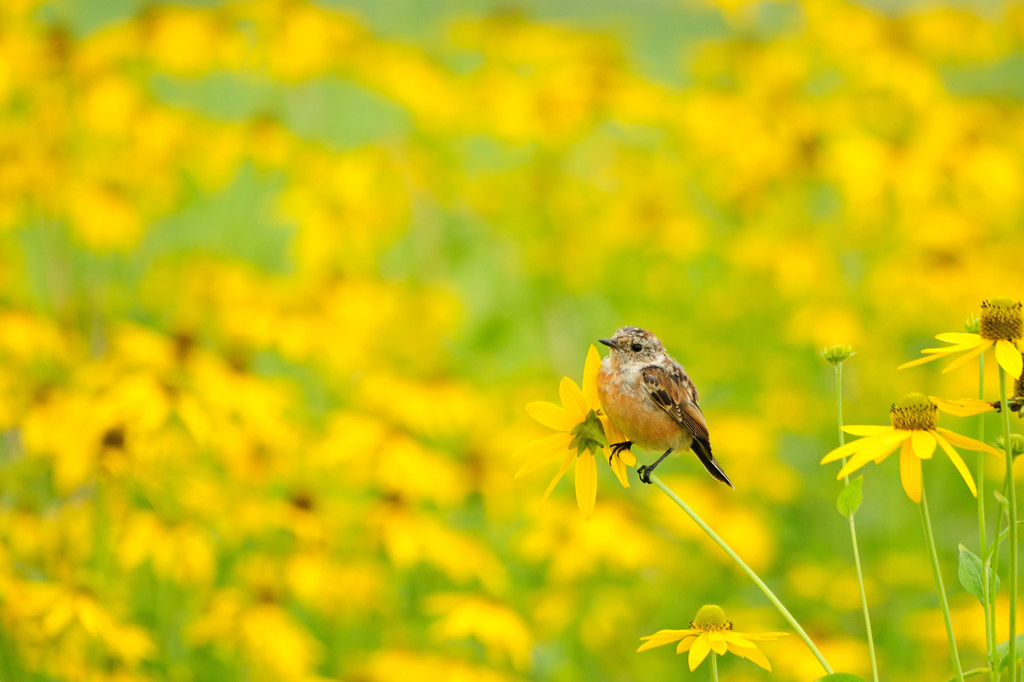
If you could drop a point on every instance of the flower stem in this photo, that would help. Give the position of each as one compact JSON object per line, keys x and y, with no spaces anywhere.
{"x":997,"y":540}
{"x":753,"y":576}
{"x":853,"y":529}
{"x":1011,"y":497}
{"x":987,"y":610}
{"x":714,"y":667}
{"x":926,"y":522}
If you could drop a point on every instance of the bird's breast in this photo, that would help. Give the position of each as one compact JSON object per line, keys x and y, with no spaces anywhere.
{"x":628,"y":405}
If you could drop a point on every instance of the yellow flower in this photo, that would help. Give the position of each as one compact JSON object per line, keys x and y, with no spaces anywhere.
{"x":914,"y":427}
{"x":582,"y":430}
{"x":1001,"y":325}
{"x":710,"y":631}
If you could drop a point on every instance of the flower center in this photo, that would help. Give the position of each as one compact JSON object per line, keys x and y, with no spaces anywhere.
{"x":914,"y":412}
{"x":710,"y":618}
{"x":1001,"y":318}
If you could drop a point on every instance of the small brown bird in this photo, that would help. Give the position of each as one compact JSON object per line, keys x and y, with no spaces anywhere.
{"x":650,"y":398}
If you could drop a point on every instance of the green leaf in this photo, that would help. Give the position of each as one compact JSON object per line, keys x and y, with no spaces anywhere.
{"x":850,"y":497}
{"x":1003,"y":648}
{"x":970,"y":574}
{"x":1001,"y":499}
{"x":840,"y":677}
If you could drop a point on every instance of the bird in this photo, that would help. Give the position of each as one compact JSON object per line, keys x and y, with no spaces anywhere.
{"x":651,"y":399}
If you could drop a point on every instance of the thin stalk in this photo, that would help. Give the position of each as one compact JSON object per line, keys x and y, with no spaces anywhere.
{"x":987,"y":610}
{"x":714,"y":667}
{"x":753,"y":576}
{"x":996,"y":542}
{"x":926,"y":522}
{"x":853,"y":529}
{"x":1011,"y":497}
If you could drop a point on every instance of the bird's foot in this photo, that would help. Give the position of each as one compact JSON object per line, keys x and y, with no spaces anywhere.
{"x":644,"y":473}
{"x":619,"y":447}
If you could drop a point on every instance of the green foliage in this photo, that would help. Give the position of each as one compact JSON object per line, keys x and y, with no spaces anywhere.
{"x":970,"y":572}
{"x":1003,"y":648}
{"x":850,"y":497}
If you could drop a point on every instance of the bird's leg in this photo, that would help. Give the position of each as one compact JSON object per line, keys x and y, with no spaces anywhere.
{"x":617,"y":448}
{"x":645,"y":472}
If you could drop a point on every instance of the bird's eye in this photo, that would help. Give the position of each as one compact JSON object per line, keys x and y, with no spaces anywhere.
{"x":637,"y":347}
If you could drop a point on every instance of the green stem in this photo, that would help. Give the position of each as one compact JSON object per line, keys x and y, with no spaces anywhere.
{"x":753,"y":576}
{"x":926,"y":522}
{"x":853,"y":530}
{"x":994,"y":561}
{"x":987,"y":610}
{"x":714,"y":667}
{"x":1011,"y":497}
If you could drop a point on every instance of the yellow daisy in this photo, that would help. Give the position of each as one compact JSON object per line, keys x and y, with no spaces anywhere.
{"x":582,"y":430}
{"x":710,"y":631}
{"x":1001,"y":325}
{"x":915,"y":430}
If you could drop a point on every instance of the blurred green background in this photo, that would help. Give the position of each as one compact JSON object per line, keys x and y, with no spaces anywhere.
{"x":277,"y":279}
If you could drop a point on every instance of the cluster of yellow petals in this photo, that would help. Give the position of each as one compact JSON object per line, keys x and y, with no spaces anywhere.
{"x":1008,"y":352}
{"x":700,"y":639}
{"x":576,"y":404}
{"x":915,"y":445}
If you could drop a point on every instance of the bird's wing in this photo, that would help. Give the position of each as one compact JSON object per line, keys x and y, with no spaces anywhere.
{"x":674,"y":393}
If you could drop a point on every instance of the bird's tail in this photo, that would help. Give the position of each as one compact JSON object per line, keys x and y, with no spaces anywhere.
{"x":702,"y":448}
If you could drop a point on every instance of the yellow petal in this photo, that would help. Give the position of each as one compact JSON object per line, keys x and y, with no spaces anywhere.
{"x":566,"y":463}
{"x":968,"y":443}
{"x":756,"y":657}
{"x":910,"y":472}
{"x":686,"y":643}
{"x":590,"y":370}
{"x":542,"y":458}
{"x":877,"y":451}
{"x":551,"y":416}
{"x":1008,"y":357}
{"x":612,"y":432}
{"x":950,"y":350}
{"x":586,"y":483}
{"x":853,"y":446}
{"x":967,"y":357}
{"x":661,"y":638}
{"x":738,"y":641}
{"x":699,"y":651}
{"x":619,"y":469}
{"x":543,"y":445}
{"x":572,"y":401}
{"x":922,"y":443}
{"x":866,"y":430}
{"x":958,"y":462}
{"x":718,"y":644}
{"x":920,"y":361}
{"x":965,"y":407}
{"x":959,"y":338}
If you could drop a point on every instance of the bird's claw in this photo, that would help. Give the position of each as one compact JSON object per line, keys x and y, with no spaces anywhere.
{"x":644,"y":473}
{"x":619,"y":447}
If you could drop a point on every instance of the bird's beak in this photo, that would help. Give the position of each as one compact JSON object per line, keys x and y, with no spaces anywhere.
{"x":607,"y":342}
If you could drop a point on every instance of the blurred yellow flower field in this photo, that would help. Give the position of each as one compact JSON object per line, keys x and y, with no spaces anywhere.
{"x":278,"y":277}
